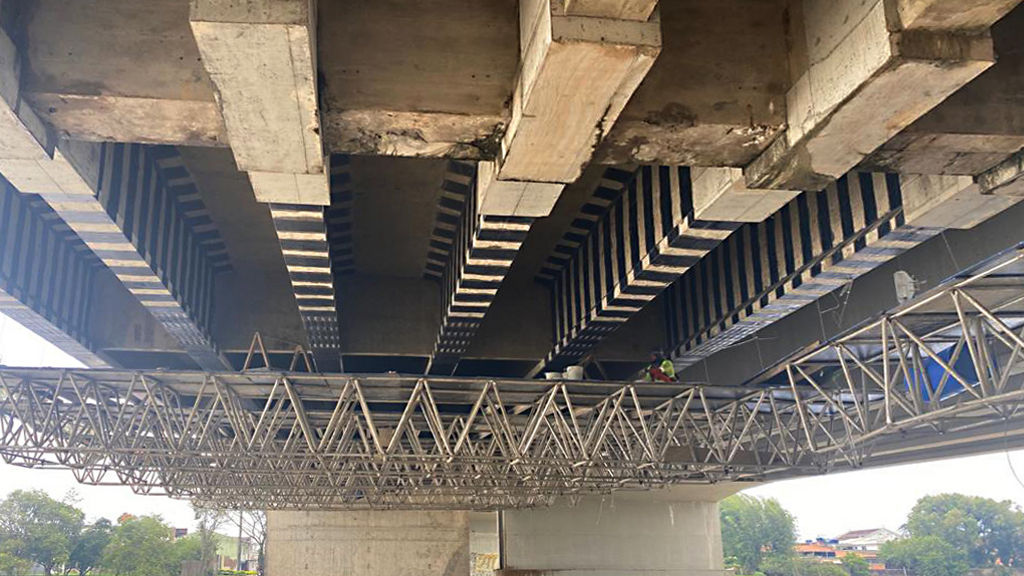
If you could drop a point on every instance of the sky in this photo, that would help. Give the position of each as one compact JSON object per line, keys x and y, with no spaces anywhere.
{"x":823,"y":505}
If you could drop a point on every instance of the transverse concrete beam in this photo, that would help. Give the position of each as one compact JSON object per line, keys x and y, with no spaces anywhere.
{"x":261,"y":55}
{"x":866,"y":78}
{"x":576,"y":75}
{"x":117,"y":71}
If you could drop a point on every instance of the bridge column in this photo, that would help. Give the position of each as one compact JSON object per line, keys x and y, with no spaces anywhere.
{"x":673,"y":532}
{"x":368,"y":543}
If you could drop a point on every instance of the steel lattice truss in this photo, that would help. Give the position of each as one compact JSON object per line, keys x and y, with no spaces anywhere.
{"x":936,"y":377}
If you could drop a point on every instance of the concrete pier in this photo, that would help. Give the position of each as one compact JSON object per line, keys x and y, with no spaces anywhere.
{"x":378,"y":543}
{"x":672,"y":532}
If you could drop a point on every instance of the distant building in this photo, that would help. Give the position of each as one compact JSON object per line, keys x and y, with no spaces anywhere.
{"x":227,"y":553}
{"x":863,"y":543}
{"x":866,"y":540}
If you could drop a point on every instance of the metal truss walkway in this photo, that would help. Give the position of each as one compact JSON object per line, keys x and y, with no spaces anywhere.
{"x":939,"y":376}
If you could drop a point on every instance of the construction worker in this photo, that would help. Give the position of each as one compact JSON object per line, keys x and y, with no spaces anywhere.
{"x":660,"y":369}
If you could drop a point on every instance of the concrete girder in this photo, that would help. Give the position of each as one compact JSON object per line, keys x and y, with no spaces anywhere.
{"x":261,"y":56}
{"x":767,"y":271}
{"x":645,"y":238}
{"x":471,"y":253}
{"x":135,"y":206}
{"x":46,"y":275}
{"x":863,"y":77}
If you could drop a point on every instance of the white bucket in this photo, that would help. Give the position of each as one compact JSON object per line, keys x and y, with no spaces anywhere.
{"x":552,"y":375}
{"x":574,"y":373}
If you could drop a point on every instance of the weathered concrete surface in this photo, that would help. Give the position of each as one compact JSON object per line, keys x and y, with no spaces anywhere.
{"x":378,"y":543}
{"x":118,"y":70}
{"x":434,"y":81}
{"x":721,"y":194}
{"x":952,"y":14}
{"x":937,"y":201}
{"x":716,"y":94}
{"x":672,"y":532}
{"x":975,"y":128}
{"x":1006,"y":178}
{"x":865,"y":80}
{"x":261,"y":56}
{"x":617,"y":9}
{"x":575,"y":76}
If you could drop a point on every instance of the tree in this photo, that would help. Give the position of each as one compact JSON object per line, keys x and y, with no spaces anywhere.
{"x":254,"y":527}
{"x":141,"y":546}
{"x":10,"y":564}
{"x":87,"y":552}
{"x":187,"y":548}
{"x":208,"y":521}
{"x":856,"y":565}
{"x":925,"y":556}
{"x":754,"y":529}
{"x":795,"y":566}
{"x":39,"y":529}
{"x":991,"y":532}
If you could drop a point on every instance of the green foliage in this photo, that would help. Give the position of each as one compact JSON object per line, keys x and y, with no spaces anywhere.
{"x":989,"y":531}
{"x":755,"y":529}
{"x":141,"y":547}
{"x":856,"y":565}
{"x":795,"y":566}
{"x":925,"y":556}
{"x":38,"y":529}
{"x":10,"y":563}
{"x":187,"y":548}
{"x":87,"y":552}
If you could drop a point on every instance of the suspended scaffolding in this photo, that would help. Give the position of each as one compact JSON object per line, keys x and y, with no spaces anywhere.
{"x":938,"y":376}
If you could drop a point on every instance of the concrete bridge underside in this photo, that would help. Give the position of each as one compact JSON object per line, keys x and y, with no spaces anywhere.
{"x":437,"y":203}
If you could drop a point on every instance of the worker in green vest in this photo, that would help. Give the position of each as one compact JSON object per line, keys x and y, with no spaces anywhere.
{"x":660,"y":368}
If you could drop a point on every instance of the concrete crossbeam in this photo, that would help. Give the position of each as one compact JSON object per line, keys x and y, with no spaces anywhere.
{"x":949,"y":202}
{"x":865,"y":79}
{"x":575,"y":77}
{"x":952,"y":14}
{"x":261,"y":56}
{"x":111,"y":70}
{"x":639,"y":10}
{"x":1006,"y":180}
{"x":722,"y":194}
{"x":976,"y":128}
